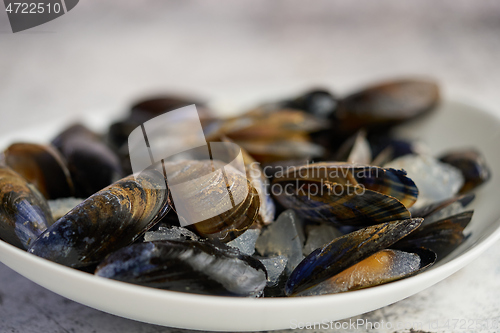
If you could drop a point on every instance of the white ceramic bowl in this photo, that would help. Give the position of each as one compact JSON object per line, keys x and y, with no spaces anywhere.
{"x":454,"y":125}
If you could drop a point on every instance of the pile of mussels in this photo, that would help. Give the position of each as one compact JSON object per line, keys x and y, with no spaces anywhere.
{"x":372,"y":209}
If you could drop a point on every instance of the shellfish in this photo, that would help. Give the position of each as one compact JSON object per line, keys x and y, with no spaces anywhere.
{"x":106,"y":221}
{"x":188,"y":266}
{"x":43,"y":166}
{"x":24,"y":213}
{"x":91,"y":163}
{"x":346,"y":194}
{"x":345,"y":251}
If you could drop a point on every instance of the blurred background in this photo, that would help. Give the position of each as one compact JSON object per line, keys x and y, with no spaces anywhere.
{"x":103,"y":55}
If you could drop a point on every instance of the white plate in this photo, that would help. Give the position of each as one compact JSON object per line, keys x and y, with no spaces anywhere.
{"x":454,"y":125}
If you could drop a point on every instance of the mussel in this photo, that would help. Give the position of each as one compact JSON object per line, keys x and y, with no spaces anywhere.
{"x":385,"y":104}
{"x":382,"y":267}
{"x":43,"y":166}
{"x":442,"y":236}
{"x":472,"y":165}
{"x":346,"y":194}
{"x":214,"y":198}
{"x":188,"y":266}
{"x":345,"y":251}
{"x":24,"y":213}
{"x":108,"y":220}
{"x":91,"y":163}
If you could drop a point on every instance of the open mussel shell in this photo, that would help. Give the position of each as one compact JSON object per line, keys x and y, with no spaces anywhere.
{"x":24,"y":213}
{"x":345,"y":251}
{"x":108,"y":220}
{"x":188,"y":266}
{"x":472,"y":165}
{"x":214,"y":198}
{"x":442,"y":236}
{"x":91,"y":163}
{"x":381,"y":267}
{"x":384,"y":105}
{"x":43,"y":166}
{"x":390,"y":182}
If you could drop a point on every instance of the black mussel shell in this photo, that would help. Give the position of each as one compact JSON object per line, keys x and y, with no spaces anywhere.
{"x":381,"y":267}
{"x":43,"y":166}
{"x":346,"y":251}
{"x":187,"y":266}
{"x":426,"y":211}
{"x":318,"y":102}
{"x":384,"y":105}
{"x":24,"y":212}
{"x":442,"y":236}
{"x":472,"y":165}
{"x":108,"y":220}
{"x":92,"y":164}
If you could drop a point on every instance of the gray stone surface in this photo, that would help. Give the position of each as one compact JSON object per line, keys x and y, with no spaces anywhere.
{"x":104,"y":54}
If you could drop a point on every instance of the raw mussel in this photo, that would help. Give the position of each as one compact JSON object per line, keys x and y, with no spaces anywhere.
{"x":382,"y":267}
{"x":43,"y":166}
{"x":108,"y":220}
{"x":346,"y":194}
{"x":92,"y":165}
{"x":442,"y":236}
{"x":472,"y":165}
{"x":24,"y":213}
{"x":345,"y":251}
{"x":214,"y":198}
{"x":188,"y":266}
{"x":383,"y":105}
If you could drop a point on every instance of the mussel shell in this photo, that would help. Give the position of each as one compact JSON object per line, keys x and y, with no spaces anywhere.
{"x":472,"y":165}
{"x":381,"y":267}
{"x":391,"y":182}
{"x":188,"y":266}
{"x":346,"y":251}
{"x":355,"y":150}
{"x":429,"y":210}
{"x":24,"y":213}
{"x":43,"y":166}
{"x":92,"y":165}
{"x":216,"y":184}
{"x":108,"y":220}
{"x":318,"y":102}
{"x":341,"y":204}
{"x":385,"y":104}
{"x":442,"y":236}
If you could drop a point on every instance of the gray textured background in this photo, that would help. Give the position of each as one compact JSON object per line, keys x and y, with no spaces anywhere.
{"x":104,"y":54}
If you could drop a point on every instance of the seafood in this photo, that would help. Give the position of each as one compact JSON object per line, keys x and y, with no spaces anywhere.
{"x":91,"y":163}
{"x":347,"y":194}
{"x":436,"y":181}
{"x":218,"y":200}
{"x":442,"y":236}
{"x":108,"y":220}
{"x":472,"y":165}
{"x":195,"y":267}
{"x":205,"y":217}
{"x":318,"y":102}
{"x":382,"y":267}
{"x":43,"y":166}
{"x":383,"y":105}
{"x":345,"y":251}
{"x":24,"y":213}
